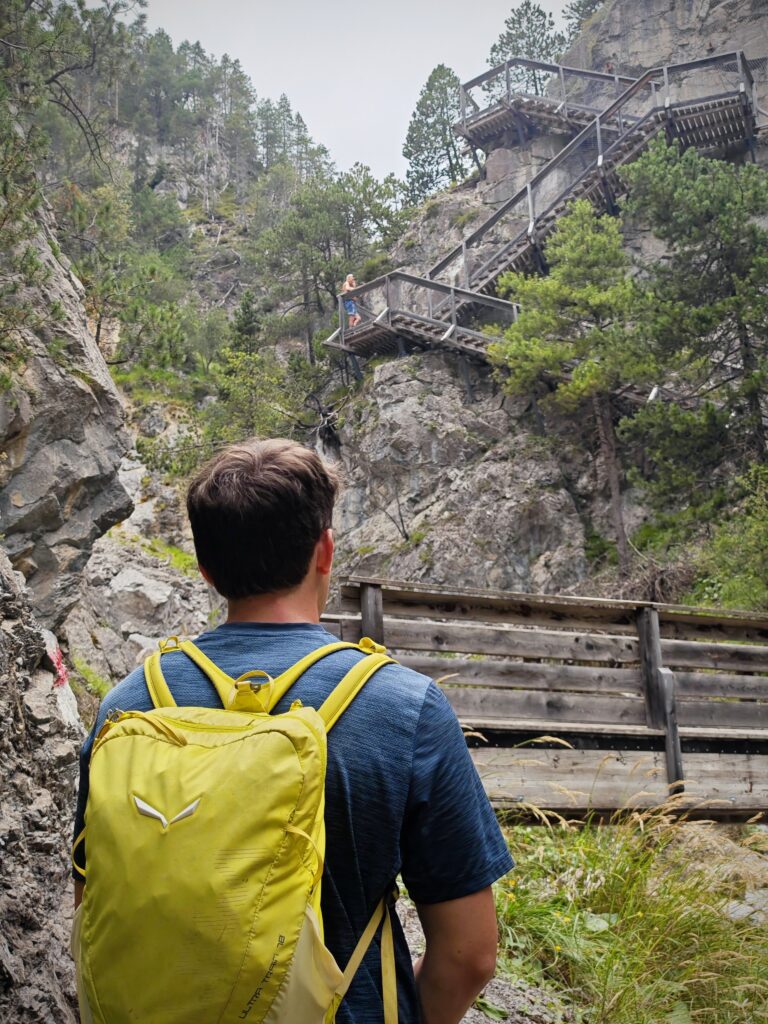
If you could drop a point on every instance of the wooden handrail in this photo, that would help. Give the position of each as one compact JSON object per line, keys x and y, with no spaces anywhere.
{"x":417,"y":593}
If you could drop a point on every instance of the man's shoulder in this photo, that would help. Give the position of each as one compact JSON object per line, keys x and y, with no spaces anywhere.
{"x":130,"y":694}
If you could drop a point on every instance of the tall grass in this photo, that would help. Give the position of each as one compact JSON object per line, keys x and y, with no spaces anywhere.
{"x":628,"y":921}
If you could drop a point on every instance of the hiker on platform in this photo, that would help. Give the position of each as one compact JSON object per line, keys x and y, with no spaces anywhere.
{"x":349,"y":304}
{"x":402,"y":796}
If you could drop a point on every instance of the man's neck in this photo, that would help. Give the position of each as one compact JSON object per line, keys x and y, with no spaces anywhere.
{"x":299,"y":605}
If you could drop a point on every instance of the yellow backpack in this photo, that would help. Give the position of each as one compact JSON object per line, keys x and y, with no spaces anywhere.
{"x":205,"y":838}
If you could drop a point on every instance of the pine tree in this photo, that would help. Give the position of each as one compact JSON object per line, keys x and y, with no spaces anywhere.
{"x":574,"y":344}
{"x":528,"y":32}
{"x":431,"y":148}
{"x":709,"y":318}
{"x":576,"y":13}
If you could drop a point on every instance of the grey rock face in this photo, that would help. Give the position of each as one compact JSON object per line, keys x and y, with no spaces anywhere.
{"x":130,"y":595}
{"x":61,"y":440}
{"x":452,"y":493}
{"x":637,"y":36}
{"x":38,"y":767}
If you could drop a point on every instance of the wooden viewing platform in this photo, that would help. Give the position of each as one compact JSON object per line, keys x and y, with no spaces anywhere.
{"x":617,"y":703}
{"x":402,"y":312}
{"x":448,"y":308}
{"x":559,"y":105}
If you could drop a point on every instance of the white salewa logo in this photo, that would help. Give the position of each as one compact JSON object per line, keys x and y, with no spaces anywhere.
{"x":152,"y":812}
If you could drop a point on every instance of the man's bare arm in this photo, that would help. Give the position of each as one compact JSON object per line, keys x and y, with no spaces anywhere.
{"x":79,"y":887}
{"x":460,"y":958}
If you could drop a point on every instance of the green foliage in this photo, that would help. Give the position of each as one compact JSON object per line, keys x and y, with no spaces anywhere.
{"x":96,"y":684}
{"x":574,"y":331}
{"x":629,"y":925}
{"x":734,"y":564}
{"x":707,"y":320}
{"x":248,"y":323}
{"x":208,"y":335}
{"x":577,"y":313}
{"x":529,"y":31}
{"x":574,"y":343}
{"x":685,"y":449}
{"x":599,"y":549}
{"x":431,"y":148}
{"x":576,"y":13}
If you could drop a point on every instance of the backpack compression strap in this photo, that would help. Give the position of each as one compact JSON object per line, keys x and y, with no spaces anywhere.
{"x":382,"y":913}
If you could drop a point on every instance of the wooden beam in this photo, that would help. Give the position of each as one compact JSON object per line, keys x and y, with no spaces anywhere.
{"x":672,"y":748}
{"x":650,"y":663}
{"x":574,"y":781}
{"x":469,"y":638}
{"x":371,"y":612}
{"x":525,"y":675}
{"x":557,"y":710}
{"x":686,"y":654}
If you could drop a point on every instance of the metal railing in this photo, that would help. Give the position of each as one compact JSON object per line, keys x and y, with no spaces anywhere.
{"x":431,"y":303}
{"x":566,"y":89}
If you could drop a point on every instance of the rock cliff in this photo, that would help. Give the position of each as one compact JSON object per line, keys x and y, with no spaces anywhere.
{"x":442,"y":490}
{"x":61,"y":441}
{"x":39,"y":739}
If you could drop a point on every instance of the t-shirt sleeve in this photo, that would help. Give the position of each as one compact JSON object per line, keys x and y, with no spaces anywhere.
{"x":451,"y":843}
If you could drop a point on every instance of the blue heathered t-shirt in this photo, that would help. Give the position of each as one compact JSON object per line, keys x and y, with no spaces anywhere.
{"x":402,"y":794}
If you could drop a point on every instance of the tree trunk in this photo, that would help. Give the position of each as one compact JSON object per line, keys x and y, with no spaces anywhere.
{"x":608,"y":449}
{"x":308,"y":315}
{"x":749,"y":371}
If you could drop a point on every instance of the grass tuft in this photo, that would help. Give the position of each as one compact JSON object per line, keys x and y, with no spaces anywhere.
{"x":628,"y":921}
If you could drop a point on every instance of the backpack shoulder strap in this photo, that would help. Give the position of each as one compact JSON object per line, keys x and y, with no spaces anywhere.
{"x":162,"y":697}
{"x":342,"y":696}
{"x":282,"y":684}
{"x":159,"y":692}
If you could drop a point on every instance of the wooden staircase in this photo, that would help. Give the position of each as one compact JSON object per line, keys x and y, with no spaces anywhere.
{"x":449,"y":307}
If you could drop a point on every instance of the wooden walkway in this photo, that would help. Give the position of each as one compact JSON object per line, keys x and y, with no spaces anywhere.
{"x":448,"y":308}
{"x":587,"y":705}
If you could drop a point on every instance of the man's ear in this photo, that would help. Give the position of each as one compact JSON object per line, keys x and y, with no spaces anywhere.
{"x":324,"y":553}
{"x":206,"y":576}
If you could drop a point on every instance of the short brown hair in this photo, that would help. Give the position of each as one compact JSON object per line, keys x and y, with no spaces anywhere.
{"x":257,"y":510}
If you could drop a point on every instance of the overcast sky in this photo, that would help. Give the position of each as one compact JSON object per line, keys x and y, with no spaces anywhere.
{"x":353,"y":71}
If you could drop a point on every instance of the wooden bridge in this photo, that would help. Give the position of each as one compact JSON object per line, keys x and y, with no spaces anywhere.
{"x":587,"y":705}
{"x":708,"y":104}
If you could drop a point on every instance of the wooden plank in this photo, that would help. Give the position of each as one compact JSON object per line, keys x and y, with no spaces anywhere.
{"x":546,"y":727}
{"x":525,"y":643}
{"x":727,"y":781}
{"x":524,"y":675}
{"x":580,"y":780}
{"x":725,"y":714}
{"x":473,"y":703}
{"x":720,"y":684}
{"x":687,"y":654}
{"x":472,"y":613}
{"x":572,"y":780}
